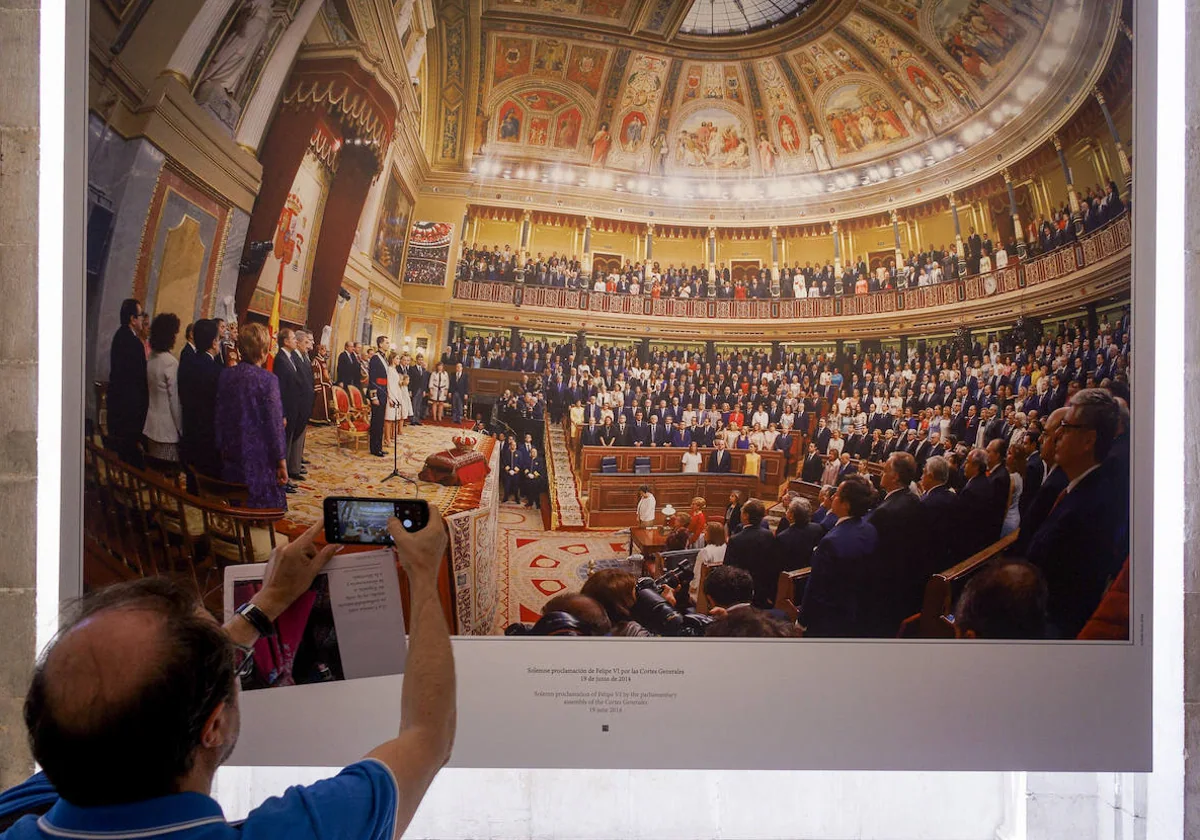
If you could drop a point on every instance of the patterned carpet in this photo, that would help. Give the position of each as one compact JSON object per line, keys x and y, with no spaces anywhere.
{"x":343,"y":472}
{"x":566,"y":509}
{"x":542,"y":565}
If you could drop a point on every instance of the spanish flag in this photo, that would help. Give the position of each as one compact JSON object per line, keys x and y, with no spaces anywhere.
{"x":273,"y":322}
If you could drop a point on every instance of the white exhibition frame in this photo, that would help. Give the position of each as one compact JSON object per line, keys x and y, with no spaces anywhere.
{"x":736,"y":704}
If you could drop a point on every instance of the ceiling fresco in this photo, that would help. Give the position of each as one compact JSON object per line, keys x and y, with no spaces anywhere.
{"x":887,"y":76}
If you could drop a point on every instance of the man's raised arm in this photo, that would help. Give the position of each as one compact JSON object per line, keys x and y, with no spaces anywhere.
{"x":427,"y":702}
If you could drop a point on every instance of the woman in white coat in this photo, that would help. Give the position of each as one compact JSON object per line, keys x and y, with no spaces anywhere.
{"x":392,"y":414}
{"x":439,"y":391}
{"x":164,"y":419}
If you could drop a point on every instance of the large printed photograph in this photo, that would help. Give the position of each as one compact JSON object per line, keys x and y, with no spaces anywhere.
{"x":831,"y":343}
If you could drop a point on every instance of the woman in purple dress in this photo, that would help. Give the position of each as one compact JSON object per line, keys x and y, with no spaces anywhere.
{"x":249,"y":423}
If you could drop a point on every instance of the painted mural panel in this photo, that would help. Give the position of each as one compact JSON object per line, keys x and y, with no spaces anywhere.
{"x":981,"y":36}
{"x":299,"y":224}
{"x":567,"y":129}
{"x":585,"y":67}
{"x":428,"y":253}
{"x":712,"y":138}
{"x":860,"y":119}
{"x":391,"y":227}
{"x":512,"y":59}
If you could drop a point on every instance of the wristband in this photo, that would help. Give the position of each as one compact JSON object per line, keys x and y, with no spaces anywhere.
{"x":256,"y":618}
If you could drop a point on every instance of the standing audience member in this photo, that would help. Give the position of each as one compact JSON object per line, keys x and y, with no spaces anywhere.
{"x":1004,"y":601}
{"x":1077,"y":546}
{"x":439,"y":391}
{"x":646,"y":507}
{"x":292,"y":402}
{"x":897,"y":577}
{"x":199,"y":374}
{"x":164,"y":420}
{"x":755,"y":550}
{"x":834,"y":598}
{"x":713,"y":553}
{"x":249,"y":423}
{"x":128,"y":394}
{"x":308,"y":389}
{"x":800,"y":537}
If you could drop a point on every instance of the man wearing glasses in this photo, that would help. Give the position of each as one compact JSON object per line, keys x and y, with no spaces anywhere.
{"x":1084,"y":539}
{"x":134,"y":706}
{"x":128,"y":395}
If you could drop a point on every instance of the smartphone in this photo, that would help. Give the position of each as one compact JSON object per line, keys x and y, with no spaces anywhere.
{"x":352,"y":521}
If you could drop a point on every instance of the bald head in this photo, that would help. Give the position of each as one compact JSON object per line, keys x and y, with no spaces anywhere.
{"x":122,"y":704}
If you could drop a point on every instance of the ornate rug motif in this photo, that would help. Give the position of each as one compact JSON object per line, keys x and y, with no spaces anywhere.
{"x":343,"y":472}
{"x":542,"y":564}
{"x":566,"y":508}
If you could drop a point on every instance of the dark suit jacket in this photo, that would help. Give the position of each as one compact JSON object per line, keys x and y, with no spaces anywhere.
{"x":349,"y":371}
{"x":459,"y":384}
{"x":589,"y":436}
{"x":377,"y":373}
{"x":1000,"y":485}
{"x":796,"y":544}
{"x":942,"y":520}
{"x":901,"y":567}
{"x":756,"y":551}
{"x":812,"y":469}
{"x":1080,"y":548}
{"x":979,"y":527}
{"x":290,"y":386}
{"x":307,"y":386}
{"x":1039,"y":508}
{"x":840,"y":564}
{"x":128,"y":395}
{"x":198,"y":375}
{"x":719,"y":465}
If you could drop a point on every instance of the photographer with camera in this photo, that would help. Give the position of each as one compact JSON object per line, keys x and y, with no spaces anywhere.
{"x":134,"y":705}
{"x":655,"y":608}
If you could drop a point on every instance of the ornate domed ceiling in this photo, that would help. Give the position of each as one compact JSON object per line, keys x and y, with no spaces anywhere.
{"x":836,"y":93}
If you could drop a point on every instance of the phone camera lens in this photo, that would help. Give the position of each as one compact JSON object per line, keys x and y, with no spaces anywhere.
{"x":408,"y":523}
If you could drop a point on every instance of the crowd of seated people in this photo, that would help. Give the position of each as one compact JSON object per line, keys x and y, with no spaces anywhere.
{"x":982,"y":253}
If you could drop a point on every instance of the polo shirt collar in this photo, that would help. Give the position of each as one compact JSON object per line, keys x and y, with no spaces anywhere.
{"x":174,"y":815}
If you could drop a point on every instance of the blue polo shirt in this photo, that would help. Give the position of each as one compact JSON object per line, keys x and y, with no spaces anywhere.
{"x":357,"y":804}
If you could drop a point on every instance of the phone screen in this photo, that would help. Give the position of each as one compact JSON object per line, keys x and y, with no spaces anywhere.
{"x":361,"y":521}
{"x":364,"y":521}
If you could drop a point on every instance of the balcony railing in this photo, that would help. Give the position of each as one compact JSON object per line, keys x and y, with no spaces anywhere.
{"x":1093,"y":248}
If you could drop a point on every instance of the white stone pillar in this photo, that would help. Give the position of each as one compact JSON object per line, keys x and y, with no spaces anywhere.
{"x":404,"y":19}
{"x":416,"y":54}
{"x":266,"y":96}
{"x":199,"y":35}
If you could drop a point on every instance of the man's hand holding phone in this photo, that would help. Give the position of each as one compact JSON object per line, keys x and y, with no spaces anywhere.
{"x":420,"y":552}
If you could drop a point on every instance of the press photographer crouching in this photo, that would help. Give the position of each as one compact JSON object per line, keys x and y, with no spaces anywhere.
{"x":134,"y":706}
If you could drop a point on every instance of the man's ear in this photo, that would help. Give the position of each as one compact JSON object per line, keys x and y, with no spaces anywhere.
{"x":216,"y":728}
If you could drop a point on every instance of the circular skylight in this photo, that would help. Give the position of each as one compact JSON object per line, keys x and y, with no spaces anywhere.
{"x":734,"y":17}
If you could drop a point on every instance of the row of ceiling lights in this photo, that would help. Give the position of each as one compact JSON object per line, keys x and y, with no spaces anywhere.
{"x":936,"y":152}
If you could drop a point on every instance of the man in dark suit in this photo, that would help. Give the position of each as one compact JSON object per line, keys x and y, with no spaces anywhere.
{"x":942,"y":515}
{"x":198,"y":375}
{"x":308,"y":390}
{"x":658,"y":433}
{"x":533,"y":481}
{"x":189,"y":343}
{"x":813,"y":465}
{"x":680,"y":437}
{"x":418,"y":387}
{"x":589,"y":435}
{"x":290,"y":385}
{"x":1053,"y":483}
{"x":459,"y":388}
{"x":833,"y":598}
{"x":900,"y":569}
{"x":821,"y":438}
{"x":348,"y":367}
{"x":128,"y":395}
{"x":846,"y":468}
{"x":1084,"y":541}
{"x":755,"y":550}
{"x":624,"y":433}
{"x":377,"y":385}
{"x":640,"y":431}
{"x":977,"y":501}
{"x":783,"y":443}
{"x":800,"y":537}
{"x":997,"y":452}
{"x":512,"y":468}
{"x":719,"y":460}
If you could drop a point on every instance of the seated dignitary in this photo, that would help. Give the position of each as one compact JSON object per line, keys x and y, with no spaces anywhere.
{"x":834,"y":599}
{"x":134,"y":706}
{"x":754,"y":549}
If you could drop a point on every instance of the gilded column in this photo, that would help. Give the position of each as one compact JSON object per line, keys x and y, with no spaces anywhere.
{"x":712,"y":261}
{"x":1072,"y":196}
{"x":896,"y":236}
{"x":1018,"y":229}
{"x":837,"y":252}
{"x":185,"y":61}
{"x":649,"y":242}
{"x":526,"y":232}
{"x":774,"y":261}
{"x":1122,"y":155}
{"x":958,"y":240}
{"x":262,"y":104}
{"x":585,"y":268}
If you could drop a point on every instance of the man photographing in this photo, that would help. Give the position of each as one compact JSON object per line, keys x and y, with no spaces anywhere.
{"x":134,"y":706}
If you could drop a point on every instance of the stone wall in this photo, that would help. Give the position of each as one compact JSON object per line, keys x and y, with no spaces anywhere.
{"x":19,"y":27}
